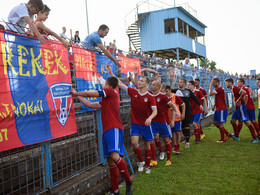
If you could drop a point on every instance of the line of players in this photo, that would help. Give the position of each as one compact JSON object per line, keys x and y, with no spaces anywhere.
{"x":161,"y":112}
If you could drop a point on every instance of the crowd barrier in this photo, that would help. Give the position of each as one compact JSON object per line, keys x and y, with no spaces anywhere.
{"x":36,"y":167}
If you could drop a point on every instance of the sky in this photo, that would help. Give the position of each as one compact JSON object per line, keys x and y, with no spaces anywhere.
{"x":232,"y":34}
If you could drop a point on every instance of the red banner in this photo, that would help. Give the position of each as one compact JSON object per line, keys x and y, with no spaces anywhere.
{"x":129,"y":64}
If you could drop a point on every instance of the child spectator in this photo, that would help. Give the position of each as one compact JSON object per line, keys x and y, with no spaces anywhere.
{"x":42,"y":17}
{"x":21,"y":15}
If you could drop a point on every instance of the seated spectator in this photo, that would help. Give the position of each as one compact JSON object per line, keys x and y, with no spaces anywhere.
{"x":42,"y":16}
{"x":76,"y":38}
{"x":21,"y":15}
{"x":63,"y":35}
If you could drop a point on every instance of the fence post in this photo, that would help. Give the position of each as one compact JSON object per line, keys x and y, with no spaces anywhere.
{"x":99,"y":132}
{"x":47,"y":165}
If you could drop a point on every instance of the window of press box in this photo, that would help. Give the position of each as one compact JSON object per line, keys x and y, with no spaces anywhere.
{"x":169,"y":25}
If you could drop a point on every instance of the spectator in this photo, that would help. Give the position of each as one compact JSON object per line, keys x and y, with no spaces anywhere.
{"x":63,"y":35}
{"x":21,"y":15}
{"x":76,"y":38}
{"x":110,"y":48}
{"x":187,"y":63}
{"x":42,"y":16}
{"x":170,"y":29}
{"x":114,"y":46}
{"x":94,"y":40}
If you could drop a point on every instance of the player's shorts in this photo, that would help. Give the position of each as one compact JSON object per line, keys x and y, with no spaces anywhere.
{"x":251,"y":115}
{"x":186,"y":120}
{"x":177,"y":126}
{"x":240,"y":113}
{"x":113,"y":142}
{"x":146,"y":131}
{"x":202,"y":116}
{"x":161,"y":129}
{"x":259,"y":114}
{"x":220,"y":116}
{"x":196,"y":118}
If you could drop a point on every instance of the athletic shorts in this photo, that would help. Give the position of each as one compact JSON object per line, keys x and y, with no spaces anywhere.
{"x":220,"y":116}
{"x":202,"y":116}
{"x":196,"y":118}
{"x":186,"y":120}
{"x":259,"y":114}
{"x":240,"y":113}
{"x":251,"y":115}
{"x":177,"y":126}
{"x":162,"y":129}
{"x":146,"y":131}
{"x":113,"y":142}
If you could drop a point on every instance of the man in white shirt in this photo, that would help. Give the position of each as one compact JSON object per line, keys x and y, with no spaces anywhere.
{"x":21,"y":15}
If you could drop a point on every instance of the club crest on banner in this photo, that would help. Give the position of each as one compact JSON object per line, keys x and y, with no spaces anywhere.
{"x":62,"y":100}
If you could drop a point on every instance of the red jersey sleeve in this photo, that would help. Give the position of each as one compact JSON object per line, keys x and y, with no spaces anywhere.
{"x":201,"y":95}
{"x":178,"y":100}
{"x":219,"y":91}
{"x":152,"y":101}
{"x":130,"y":91}
{"x":204,"y":92}
{"x":107,"y":92}
{"x":236,"y":89}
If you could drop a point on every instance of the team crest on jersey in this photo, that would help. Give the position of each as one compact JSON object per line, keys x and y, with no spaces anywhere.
{"x":145,"y":99}
{"x":158,"y":99}
{"x":135,"y":95}
{"x":62,"y":101}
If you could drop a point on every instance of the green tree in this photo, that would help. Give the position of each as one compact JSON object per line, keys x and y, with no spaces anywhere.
{"x":202,"y":63}
{"x":212,"y":65}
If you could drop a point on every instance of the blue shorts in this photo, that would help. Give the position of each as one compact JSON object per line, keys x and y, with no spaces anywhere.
{"x":220,"y":116}
{"x":177,"y":126}
{"x":251,"y":115}
{"x":162,"y":129}
{"x":196,"y":118}
{"x":259,"y":114}
{"x":240,"y":113}
{"x":146,"y":131}
{"x":113,"y":142}
{"x":202,"y":116}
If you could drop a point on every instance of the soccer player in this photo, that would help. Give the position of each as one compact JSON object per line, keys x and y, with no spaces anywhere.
{"x":249,"y":105}
{"x":177,"y":124}
{"x":159,"y":125}
{"x":112,"y":130}
{"x":143,"y":110}
{"x":241,"y":111}
{"x":204,"y":92}
{"x":258,"y":93}
{"x":220,"y":115}
{"x":197,"y":110}
{"x":186,"y":95}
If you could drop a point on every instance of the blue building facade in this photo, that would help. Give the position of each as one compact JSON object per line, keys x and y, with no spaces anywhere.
{"x":172,"y":33}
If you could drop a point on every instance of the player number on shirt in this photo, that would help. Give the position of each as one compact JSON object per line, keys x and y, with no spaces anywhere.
{"x":3,"y":135}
